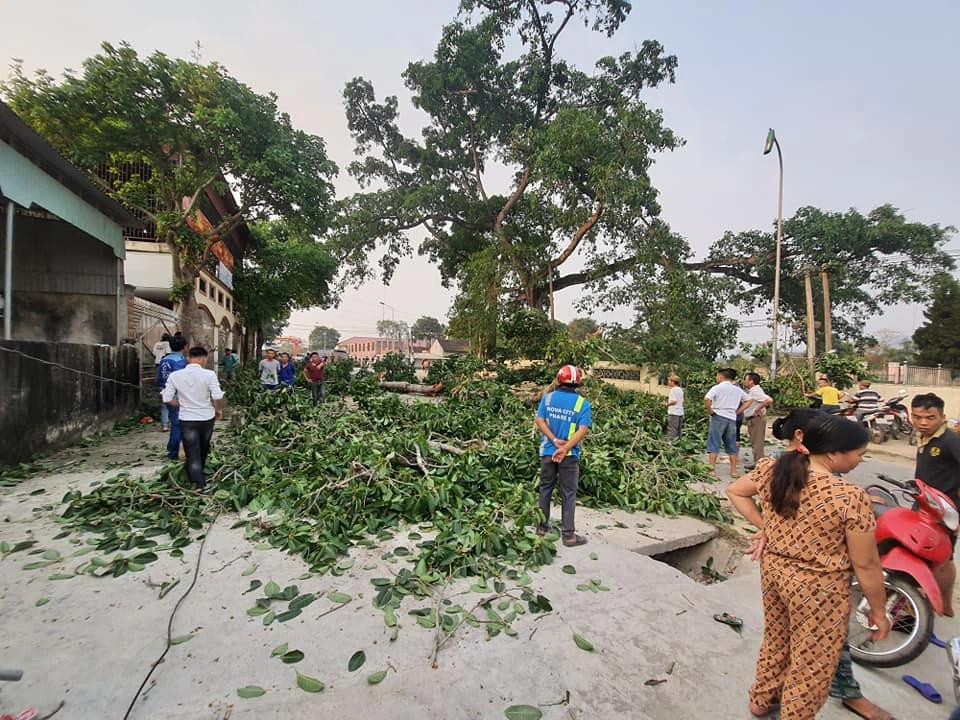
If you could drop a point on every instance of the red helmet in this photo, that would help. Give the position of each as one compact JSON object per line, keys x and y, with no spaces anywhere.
{"x":570,"y":375}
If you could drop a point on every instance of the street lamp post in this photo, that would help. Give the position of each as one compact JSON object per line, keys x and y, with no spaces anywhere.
{"x":393,"y":319}
{"x":767,"y":147}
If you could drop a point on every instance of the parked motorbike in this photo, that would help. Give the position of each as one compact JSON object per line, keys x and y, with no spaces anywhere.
{"x":896,"y":411}
{"x":876,"y":423}
{"x":912,"y":541}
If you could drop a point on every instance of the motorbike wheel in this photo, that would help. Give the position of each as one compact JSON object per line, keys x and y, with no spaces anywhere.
{"x":895,"y":429}
{"x":876,"y":435}
{"x":911,"y":616}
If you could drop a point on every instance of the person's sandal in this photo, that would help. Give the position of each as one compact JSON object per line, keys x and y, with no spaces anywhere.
{"x":574,"y":541}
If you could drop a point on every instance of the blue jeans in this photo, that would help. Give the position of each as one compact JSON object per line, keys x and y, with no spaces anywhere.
{"x":173,"y":443}
{"x":955,"y":715}
{"x":164,"y":413}
{"x":722,"y":432}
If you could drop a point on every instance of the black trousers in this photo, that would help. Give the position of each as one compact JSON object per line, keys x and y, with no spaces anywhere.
{"x":566,"y":474}
{"x":196,"y":436}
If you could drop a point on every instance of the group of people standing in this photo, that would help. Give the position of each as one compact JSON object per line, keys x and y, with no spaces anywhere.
{"x":815,"y":528}
{"x":281,"y":372}
{"x":730,"y":405}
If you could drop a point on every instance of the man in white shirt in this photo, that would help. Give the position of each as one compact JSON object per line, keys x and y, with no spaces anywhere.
{"x":196,"y":392}
{"x":754,"y":410}
{"x":722,"y":402}
{"x":674,"y":408}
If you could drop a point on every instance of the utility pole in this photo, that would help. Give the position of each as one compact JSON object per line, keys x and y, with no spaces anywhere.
{"x":771,"y":143}
{"x":827,"y":318}
{"x":811,"y":327}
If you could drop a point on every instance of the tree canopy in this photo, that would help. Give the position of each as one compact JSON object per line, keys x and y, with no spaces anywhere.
{"x":185,"y":128}
{"x":324,"y":337}
{"x":938,"y":339}
{"x":577,"y":146}
{"x":393,"y":329}
{"x":581,"y":328}
{"x":427,"y":328}
{"x":281,"y":272}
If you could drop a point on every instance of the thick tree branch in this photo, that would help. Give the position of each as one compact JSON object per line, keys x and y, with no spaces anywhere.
{"x":584,"y":228}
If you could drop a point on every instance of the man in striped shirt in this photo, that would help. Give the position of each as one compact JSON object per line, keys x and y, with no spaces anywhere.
{"x":867,"y":400}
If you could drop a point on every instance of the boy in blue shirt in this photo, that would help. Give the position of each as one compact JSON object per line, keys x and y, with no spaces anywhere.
{"x":564,"y":418}
{"x":172,"y":362}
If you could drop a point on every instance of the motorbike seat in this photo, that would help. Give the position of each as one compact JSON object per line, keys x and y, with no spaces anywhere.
{"x":883,"y":500}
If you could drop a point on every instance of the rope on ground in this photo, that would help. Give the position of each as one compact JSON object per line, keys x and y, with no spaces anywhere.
{"x":196,"y":574}
{"x":68,"y":369}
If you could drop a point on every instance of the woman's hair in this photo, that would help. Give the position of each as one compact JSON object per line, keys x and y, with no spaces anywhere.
{"x":822,"y":434}
{"x":784,"y":428}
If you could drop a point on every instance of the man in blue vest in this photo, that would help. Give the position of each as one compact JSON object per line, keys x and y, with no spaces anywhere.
{"x":564,"y":418}
{"x":172,"y":362}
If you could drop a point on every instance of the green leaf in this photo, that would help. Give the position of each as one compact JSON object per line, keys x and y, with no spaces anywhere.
{"x":288,"y":615}
{"x":356,"y":661}
{"x":254,"y":584}
{"x":4,"y":547}
{"x":269,"y":618}
{"x":377,"y":677}
{"x":523,"y":712}
{"x":302,"y":601}
{"x":582,"y":642}
{"x":249,"y":571}
{"x":390,"y":617}
{"x":53,"y":555}
{"x":279,"y":650}
{"x":61,"y":576}
{"x":180,"y":639}
{"x":309,"y":684}
{"x":37,"y":565}
{"x":593,"y":556}
{"x":144,"y":558}
{"x":257,"y":610}
{"x":41,"y":602}
{"x":293,"y":656}
{"x":338,"y":597}
{"x":569,"y":569}
{"x":250,"y":691}
{"x":272,"y":590}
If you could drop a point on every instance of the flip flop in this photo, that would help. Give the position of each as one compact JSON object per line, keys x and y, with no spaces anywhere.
{"x":925,"y":689}
{"x":884,"y":715}
{"x":934,"y":640}
{"x":728,"y":619}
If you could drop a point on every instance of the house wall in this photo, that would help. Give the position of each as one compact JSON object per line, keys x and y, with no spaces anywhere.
{"x":64,"y":284}
{"x":45,"y":406}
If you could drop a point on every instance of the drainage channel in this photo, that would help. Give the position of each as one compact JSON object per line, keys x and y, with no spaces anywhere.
{"x":708,"y":562}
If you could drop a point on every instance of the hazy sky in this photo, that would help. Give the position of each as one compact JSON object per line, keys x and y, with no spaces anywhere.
{"x":862,"y":95}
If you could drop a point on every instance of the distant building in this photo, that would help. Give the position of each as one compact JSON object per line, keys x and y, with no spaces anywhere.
{"x":64,"y":243}
{"x":363,"y":349}
{"x":444,"y":347}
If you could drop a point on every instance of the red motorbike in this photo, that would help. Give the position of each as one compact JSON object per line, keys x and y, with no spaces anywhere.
{"x":912,"y":541}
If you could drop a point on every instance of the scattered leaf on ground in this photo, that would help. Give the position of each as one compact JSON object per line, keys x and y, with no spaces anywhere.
{"x":377,"y":677}
{"x":338,"y":597}
{"x":293,"y":656}
{"x":582,"y":642}
{"x":180,"y":639}
{"x":569,"y":569}
{"x":523,"y":712}
{"x":279,"y":650}
{"x":356,"y":660}
{"x":249,"y":571}
{"x":250,"y":691}
{"x":42,"y":601}
{"x":309,"y":684}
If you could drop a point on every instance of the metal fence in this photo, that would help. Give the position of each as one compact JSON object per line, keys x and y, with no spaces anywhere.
{"x":904,"y":374}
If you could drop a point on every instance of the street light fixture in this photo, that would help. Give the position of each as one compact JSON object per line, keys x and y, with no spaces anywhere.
{"x":770,"y":143}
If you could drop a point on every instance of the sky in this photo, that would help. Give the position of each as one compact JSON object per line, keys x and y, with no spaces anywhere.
{"x":861,"y":94}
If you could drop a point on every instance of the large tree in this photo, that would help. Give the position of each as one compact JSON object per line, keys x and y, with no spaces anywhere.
{"x":582,"y":327}
{"x":872,"y":260}
{"x":427,"y":328}
{"x":393,"y":329}
{"x":324,"y":337}
{"x":195,"y":129}
{"x":938,"y":339}
{"x":281,"y":272}
{"x":576,"y":145}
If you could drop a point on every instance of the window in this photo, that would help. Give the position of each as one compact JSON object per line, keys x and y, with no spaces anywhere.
{"x":203,"y":286}
{"x":220,"y":297}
